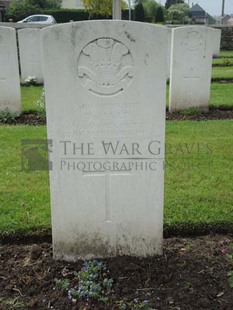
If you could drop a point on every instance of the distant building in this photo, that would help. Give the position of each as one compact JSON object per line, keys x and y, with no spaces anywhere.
{"x":3,"y":6}
{"x":200,"y":16}
{"x":230,"y":21}
{"x":72,"y":4}
{"x":224,"y":19}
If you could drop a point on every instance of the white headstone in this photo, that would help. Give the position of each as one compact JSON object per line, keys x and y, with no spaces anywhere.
{"x":216,"y":42}
{"x":191,"y":64}
{"x":9,"y":71}
{"x":30,"y":53}
{"x":105,"y":88}
{"x":169,"y":52}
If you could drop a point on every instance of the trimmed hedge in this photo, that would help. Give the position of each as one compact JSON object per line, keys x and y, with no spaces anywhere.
{"x":66,"y":15}
{"x":63,"y":15}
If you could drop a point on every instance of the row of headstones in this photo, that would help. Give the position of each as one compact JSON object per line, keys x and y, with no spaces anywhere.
{"x":189,"y":65}
{"x":189,"y":61}
{"x":105,"y":86}
{"x":29,"y":58}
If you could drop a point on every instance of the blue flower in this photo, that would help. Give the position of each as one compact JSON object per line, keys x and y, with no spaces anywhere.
{"x":69,"y":294}
{"x":84,"y":294}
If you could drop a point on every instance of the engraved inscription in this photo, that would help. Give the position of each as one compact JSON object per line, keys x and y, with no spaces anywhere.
{"x":192,"y":73}
{"x":193,"y":41}
{"x":105,"y":66}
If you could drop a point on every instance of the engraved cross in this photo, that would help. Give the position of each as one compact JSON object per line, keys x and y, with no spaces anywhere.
{"x":108,"y":176}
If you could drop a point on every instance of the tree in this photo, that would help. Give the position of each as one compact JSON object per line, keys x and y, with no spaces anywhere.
{"x":20,"y":9}
{"x":45,"y":4}
{"x":179,"y":13}
{"x":159,"y":15}
{"x":150,"y":8}
{"x":172,"y":2}
{"x":139,"y":12}
{"x":103,"y":7}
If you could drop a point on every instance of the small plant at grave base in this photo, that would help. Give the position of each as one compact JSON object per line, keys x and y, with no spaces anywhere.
{"x":93,"y":283}
{"x":13,"y":303}
{"x":8,"y":117}
{"x":230,"y":278}
{"x":229,"y":257}
{"x":190,"y":112}
{"x":41,"y":105}
{"x":136,"y":304}
{"x":62,"y":283}
{"x":31,"y":80}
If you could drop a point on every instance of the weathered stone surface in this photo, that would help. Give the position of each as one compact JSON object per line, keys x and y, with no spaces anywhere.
{"x":191,"y":62}
{"x":9,"y":71}
{"x":30,"y":53}
{"x":216,"y":42}
{"x":169,"y":52}
{"x":105,"y":88}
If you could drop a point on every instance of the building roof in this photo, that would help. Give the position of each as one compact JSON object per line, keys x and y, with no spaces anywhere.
{"x":197,"y":8}
{"x":198,"y":13}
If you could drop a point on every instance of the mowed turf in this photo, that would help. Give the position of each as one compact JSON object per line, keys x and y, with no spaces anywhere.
{"x":198,"y":177}
{"x":221,"y":95}
{"x":29,"y":97}
{"x":226,"y":54}
{"x":222,"y":73}
{"x":24,"y":196}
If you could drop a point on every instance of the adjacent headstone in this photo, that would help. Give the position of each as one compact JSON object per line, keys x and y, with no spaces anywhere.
{"x":191,"y":64}
{"x":30,"y":52}
{"x":216,"y":40}
{"x":169,"y":43}
{"x":9,"y":71}
{"x":105,"y":87}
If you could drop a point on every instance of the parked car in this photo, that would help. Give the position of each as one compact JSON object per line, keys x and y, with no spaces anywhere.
{"x":39,"y":19}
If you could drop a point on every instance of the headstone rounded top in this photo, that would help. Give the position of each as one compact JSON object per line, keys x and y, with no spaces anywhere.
{"x":105,"y":66}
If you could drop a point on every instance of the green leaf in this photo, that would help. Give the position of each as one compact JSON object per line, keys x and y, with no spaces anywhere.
{"x":230,"y":279}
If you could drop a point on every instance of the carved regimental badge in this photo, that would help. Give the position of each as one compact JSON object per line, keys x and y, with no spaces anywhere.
{"x":193,"y":41}
{"x":105,"y":66}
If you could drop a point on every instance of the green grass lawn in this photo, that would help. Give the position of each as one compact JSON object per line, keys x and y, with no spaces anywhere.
{"x":198,"y":180}
{"x":24,"y":196}
{"x":222,"y":72}
{"x":199,"y":186}
{"x":228,"y":54}
{"x":223,"y":61}
{"x":221,"y":94}
{"x":29,"y":97}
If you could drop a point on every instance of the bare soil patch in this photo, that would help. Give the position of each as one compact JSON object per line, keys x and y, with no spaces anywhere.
{"x":191,"y":274}
{"x":35,"y":119}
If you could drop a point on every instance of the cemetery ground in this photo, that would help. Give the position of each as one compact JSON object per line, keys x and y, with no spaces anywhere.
{"x":196,"y":268}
